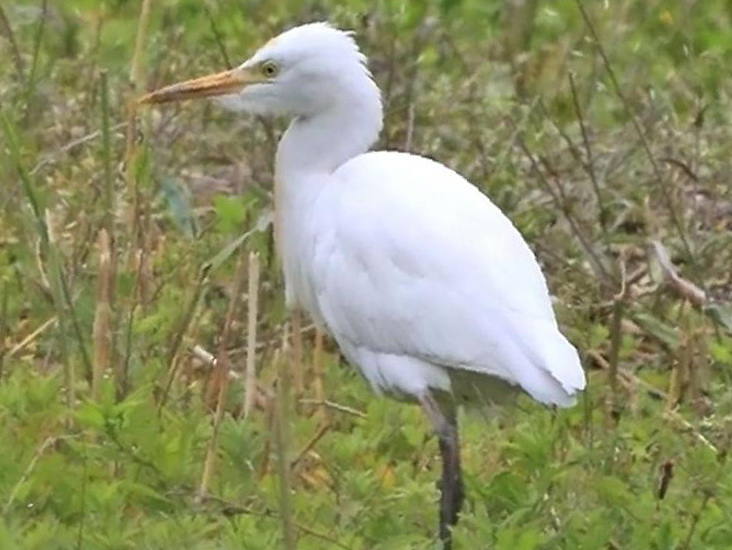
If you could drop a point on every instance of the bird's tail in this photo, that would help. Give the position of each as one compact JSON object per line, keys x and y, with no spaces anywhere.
{"x":557,"y":375}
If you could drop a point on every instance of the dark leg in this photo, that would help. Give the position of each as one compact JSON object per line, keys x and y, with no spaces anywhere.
{"x":445,"y":424}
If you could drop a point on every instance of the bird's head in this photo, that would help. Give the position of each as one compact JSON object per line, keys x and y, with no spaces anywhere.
{"x":302,"y":72}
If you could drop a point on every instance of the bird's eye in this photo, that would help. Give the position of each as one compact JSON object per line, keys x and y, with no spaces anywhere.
{"x":269,"y":69}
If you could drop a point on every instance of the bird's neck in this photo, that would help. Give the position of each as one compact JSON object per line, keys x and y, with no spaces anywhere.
{"x":319,"y":144}
{"x":311,"y":150}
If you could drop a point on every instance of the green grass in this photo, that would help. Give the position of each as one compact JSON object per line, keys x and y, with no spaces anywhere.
{"x":617,"y":176}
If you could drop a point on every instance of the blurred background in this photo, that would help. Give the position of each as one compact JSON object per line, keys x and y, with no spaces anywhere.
{"x":138,"y":279}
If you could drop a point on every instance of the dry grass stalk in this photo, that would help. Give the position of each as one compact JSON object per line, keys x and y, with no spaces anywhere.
{"x":4,"y":329}
{"x":25,"y":342}
{"x":103,"y":333}
{"x":135,"y":82}
{"x":132,"y":152}
{"x":559,"y":197}
{"x":691,"y":359}
{"x":6,"y":30}
{"x":282,"y":446}
{"x":616,"y":339}
{"x":317,"y":436}
{"x":631,"y":381}
{"x":296,"y":357}
{"x":48,"y":443}
{"x":145,"y":280}
{"x":209,"y":359}
{"x":270,"y":412}
{"x":204,"y":355}
{"x":678,"y":383}
{"x":250,"y":378}
{"x":321,"y":412}
{"x":137,"y":256}
{"x":335,"y":406}
{"x":142,"y":24}
{"x":661,"y":182}
{"x":70,"y":146}
{"x":684,"y":377}
{"x":697,"y":358}
{"x":175,"y":348}
{"x":102,"y":330}
{"x":51,"y":259}
{"x":589,"y":162}
{"x":221,"y":379}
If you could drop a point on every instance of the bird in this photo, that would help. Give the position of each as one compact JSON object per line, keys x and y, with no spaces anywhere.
{"x":426,"y":286}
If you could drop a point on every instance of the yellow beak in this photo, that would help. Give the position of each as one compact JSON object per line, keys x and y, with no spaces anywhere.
{"x":227,"y":82}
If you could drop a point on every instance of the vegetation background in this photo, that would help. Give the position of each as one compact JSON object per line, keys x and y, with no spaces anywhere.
{"x":130,"y":245}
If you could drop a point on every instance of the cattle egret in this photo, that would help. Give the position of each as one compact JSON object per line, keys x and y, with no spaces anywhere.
{"x":428,"y":288}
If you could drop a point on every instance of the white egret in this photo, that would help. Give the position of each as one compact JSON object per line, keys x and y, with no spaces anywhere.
{"x":428,"y":288}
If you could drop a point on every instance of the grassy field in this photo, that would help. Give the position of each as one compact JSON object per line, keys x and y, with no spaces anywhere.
{"x":130,"y":245}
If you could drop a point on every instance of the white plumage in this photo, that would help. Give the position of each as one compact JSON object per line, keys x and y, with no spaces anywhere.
{"x":427,"y":287}
{"x":417,"y":274}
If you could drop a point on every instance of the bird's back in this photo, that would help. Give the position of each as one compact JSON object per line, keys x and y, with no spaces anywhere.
{"x":421,"y":279}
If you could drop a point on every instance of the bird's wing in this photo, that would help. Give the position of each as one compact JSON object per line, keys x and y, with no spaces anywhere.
{"x":413,"y":260}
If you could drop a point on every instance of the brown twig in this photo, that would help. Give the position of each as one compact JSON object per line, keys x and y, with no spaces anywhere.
{"x":220,"y":376}
{"x":174,"y":352}
{"x":560,"y":201}
{"x":232,"y":508}
{"x":683,"y":287}
{"x":589,"y":163}
{"x":25,"y":342}
{"x":317,"y":436}
{"x":659,"y":178}
{"x":71,"y":145}
{"x":630,"y":380}
{"x":218,"y":38}
{"x":335,"y":406}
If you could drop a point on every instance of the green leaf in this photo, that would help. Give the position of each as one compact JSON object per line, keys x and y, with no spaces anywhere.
{"x":91,"y":415}
{"x":721,"y":313}
{"x":613,"y":491}
{"x":179,"y":207}
{"x":230,"y":213}
{"x":657,"y":328}
{"x":226,"y":252}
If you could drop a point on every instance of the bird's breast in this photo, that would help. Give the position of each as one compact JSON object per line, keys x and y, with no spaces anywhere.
{"x":297,"y":241}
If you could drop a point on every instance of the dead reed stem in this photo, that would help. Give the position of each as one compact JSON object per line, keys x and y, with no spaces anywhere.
{"x":135,"y":83}
{"x":296,"y":357}
{"x":282,"y":445}
{"x":137,"y":258}
{"x":321,"y":412}
{"x":616,"y":339}
{"x":250,"y":378}
{"x":102,"y":330}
